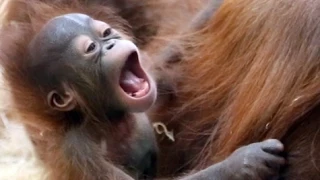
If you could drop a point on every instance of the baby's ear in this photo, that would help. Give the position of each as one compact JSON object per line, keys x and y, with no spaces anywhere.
{"x":64,"y":101}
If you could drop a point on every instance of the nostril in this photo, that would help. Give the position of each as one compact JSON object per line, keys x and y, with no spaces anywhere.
{"x":110,"y":46}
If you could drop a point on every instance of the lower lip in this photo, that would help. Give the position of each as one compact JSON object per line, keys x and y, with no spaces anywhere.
{"x":141,"y":93}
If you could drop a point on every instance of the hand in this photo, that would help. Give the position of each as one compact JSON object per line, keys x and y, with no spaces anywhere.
{"x":255,"y":161}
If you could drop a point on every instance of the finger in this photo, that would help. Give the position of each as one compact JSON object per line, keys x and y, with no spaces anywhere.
{"x":273,"y":162}
{"x":272,"y":146}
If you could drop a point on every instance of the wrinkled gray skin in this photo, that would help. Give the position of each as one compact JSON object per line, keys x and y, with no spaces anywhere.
{"x":256,"y":161}
{"x":58,"y":57}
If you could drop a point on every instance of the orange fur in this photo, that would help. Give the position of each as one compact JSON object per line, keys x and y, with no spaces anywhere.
{"x":45,"y":126}
{"x":45,"y":130}
{"x":252,"y":73}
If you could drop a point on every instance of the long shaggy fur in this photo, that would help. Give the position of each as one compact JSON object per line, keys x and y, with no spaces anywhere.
{"x":18,"y":159}
{"x":252,"y":73}
{"x":30,"y":16}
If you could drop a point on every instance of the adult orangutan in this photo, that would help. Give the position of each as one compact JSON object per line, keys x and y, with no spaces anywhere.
{"x":251,"y":73}
{"x":80,"y":84}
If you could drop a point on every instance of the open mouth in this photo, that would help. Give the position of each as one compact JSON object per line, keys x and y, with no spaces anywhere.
{"x":133,"y":79}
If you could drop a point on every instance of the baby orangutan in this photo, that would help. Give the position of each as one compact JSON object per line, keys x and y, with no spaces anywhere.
{"x":85,"y":80}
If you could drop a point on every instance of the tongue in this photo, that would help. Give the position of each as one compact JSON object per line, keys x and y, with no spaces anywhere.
{"x":130,"y":83}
